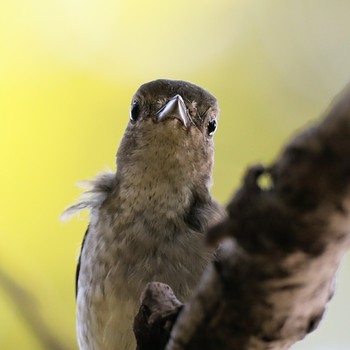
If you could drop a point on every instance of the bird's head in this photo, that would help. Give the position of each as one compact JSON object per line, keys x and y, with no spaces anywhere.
{"x":170,"y":133}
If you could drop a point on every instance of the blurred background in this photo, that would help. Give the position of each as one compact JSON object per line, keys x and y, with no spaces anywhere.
{"x":68,"y":70}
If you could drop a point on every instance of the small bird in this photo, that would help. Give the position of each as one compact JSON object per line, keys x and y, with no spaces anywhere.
{"x":147,"y":220}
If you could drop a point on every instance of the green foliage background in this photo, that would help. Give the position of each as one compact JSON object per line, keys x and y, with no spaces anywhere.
{"x":68,"y":70}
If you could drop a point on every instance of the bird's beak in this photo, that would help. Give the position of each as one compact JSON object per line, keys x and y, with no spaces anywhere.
{"x":175,"y":108}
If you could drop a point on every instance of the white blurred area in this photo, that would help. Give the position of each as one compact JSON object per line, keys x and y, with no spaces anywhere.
{"x":308,"y":42}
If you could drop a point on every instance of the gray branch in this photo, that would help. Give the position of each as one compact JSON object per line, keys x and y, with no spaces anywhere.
{"x":27,"y":306}
{"x":280,"y":249}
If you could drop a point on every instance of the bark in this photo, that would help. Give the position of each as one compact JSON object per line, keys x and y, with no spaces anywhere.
{"x":281,"y":247}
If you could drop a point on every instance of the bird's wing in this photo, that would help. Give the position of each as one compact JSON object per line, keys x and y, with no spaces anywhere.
{"x":219,"y":213}
{"x":78,"y":265}
{"x":204,"y":213}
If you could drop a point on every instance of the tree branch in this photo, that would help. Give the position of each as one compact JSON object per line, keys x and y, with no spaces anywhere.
{"x":27,"y":306}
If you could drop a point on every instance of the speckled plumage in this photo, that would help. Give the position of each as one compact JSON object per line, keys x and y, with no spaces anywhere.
{"x":148,"y":219}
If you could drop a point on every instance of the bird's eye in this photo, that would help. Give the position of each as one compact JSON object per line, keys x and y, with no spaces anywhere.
{"x":134,"y":112}
{"x":211,"y":128}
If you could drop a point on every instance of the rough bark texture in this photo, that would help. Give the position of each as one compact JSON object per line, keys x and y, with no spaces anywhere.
{"x":281,"y":250}
{"x":156,"y":316}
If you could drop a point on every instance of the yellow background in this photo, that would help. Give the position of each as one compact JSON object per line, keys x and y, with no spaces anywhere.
{"x":68,"y":70}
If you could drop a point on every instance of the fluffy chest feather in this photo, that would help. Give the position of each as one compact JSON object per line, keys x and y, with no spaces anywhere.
{"x":123,"y":251}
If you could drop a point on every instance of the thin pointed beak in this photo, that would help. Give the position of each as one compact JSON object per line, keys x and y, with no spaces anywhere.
{"x":175,"y":108}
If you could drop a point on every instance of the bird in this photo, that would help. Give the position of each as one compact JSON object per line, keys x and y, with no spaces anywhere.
{"x":148,"y":219}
